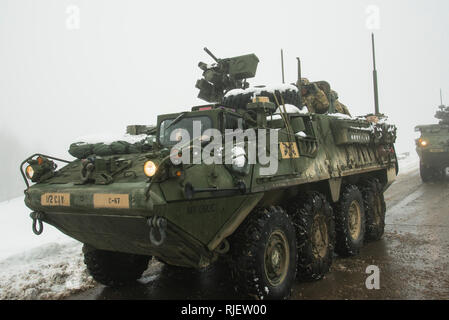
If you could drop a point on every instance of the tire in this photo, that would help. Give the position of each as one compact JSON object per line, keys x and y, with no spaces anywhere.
{"x":427,"y":173}
{"x":114,"y":269}
{"x":375,"y":208}
{"x":315,"y":250}
{"x":263,"y":254}
{"x":240,"y":101}
{"x":349,"y":222}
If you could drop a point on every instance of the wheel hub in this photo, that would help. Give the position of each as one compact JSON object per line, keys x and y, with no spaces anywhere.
{"x":377,"y":210}
{"x":355,"y":220}
{"x":320,"y":239}
{"x":277,"y":258}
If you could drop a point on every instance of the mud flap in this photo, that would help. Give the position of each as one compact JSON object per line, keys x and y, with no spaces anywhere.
{"x":334,"y":187}
{"x":236,"y":219}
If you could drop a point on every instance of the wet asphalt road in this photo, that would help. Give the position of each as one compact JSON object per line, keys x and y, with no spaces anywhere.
{"x":413,"y":259}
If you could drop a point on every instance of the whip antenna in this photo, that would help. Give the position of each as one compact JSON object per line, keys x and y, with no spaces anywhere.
{"x":376,"y":94}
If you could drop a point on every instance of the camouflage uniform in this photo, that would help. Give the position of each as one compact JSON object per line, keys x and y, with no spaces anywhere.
{"x":316,"y":100}
{"x":339,"y":107}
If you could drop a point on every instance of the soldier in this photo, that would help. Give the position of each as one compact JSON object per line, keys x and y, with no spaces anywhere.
{"x":313,"y":97}
{"x":339,"y":107}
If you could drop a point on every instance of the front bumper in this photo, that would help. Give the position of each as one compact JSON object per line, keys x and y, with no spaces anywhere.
{"x":194,"y":227}
{"x":82,"y":199}
{"x":117,"y":227}
{"x":434,"y":159}
{"x":131,"y":234}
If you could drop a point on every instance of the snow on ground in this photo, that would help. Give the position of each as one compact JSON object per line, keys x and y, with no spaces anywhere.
{"x":15,"y":229}
{"x":49,"y":266}
{"x":51,"y":271}
{"x":408,"y":162}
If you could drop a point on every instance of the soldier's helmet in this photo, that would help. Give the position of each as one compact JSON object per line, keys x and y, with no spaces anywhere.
{"x":304,"y":81}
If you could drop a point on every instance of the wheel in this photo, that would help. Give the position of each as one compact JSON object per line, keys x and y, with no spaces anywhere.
{"x":429,"y":174}
{"x":374,"y":205}
{"x":114,"y":269}
{"x":240,"y":101}
{"x":349,"y":222}
{"x":315,"y":235}
{"x":425,"y":173}
{"x":263,"y":254}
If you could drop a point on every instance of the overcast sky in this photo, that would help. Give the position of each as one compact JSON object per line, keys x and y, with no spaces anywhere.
{"x":70,"y":68}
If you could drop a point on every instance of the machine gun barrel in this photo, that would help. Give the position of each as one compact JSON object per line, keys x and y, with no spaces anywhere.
{"x":211,"y":54}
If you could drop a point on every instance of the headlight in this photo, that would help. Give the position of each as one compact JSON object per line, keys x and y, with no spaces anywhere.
{"x":149,"y":168}
{"x":30,"y":172}
{"x":423,"y":143}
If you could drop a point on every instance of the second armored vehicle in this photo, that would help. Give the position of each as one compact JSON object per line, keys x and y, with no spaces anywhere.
{"x":433,"y":147}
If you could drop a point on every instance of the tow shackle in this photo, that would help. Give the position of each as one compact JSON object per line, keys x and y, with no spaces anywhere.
{"x":160,"y":224}
{"x":37,"y":225}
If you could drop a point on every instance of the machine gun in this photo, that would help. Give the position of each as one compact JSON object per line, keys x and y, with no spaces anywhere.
{"x":443,"y":113}
{"x":224,"y":75}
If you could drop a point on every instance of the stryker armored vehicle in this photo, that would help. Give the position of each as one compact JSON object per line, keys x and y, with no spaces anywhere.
{"x":433,"y":147}
{"x":274,"y":204}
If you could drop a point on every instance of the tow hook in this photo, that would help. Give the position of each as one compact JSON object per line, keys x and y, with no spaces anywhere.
{"x":37,"y":219}
{"x":160,"y":224}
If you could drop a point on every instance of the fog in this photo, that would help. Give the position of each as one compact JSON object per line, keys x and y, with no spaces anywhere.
{"x":70,"y":68}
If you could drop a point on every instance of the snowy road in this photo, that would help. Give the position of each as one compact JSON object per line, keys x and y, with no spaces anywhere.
{"x":49,"y":266}
{"x":413,"y":258}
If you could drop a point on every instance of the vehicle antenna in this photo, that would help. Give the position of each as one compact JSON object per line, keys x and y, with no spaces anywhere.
{"x":299,"y":80}
{"x":282,"y":65}
{"x":376,"y":94}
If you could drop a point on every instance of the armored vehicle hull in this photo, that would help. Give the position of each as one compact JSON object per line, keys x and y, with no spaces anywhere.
{"x":433,"y":151}
{"x":178,"y":220}
{"x":264,"y":185}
